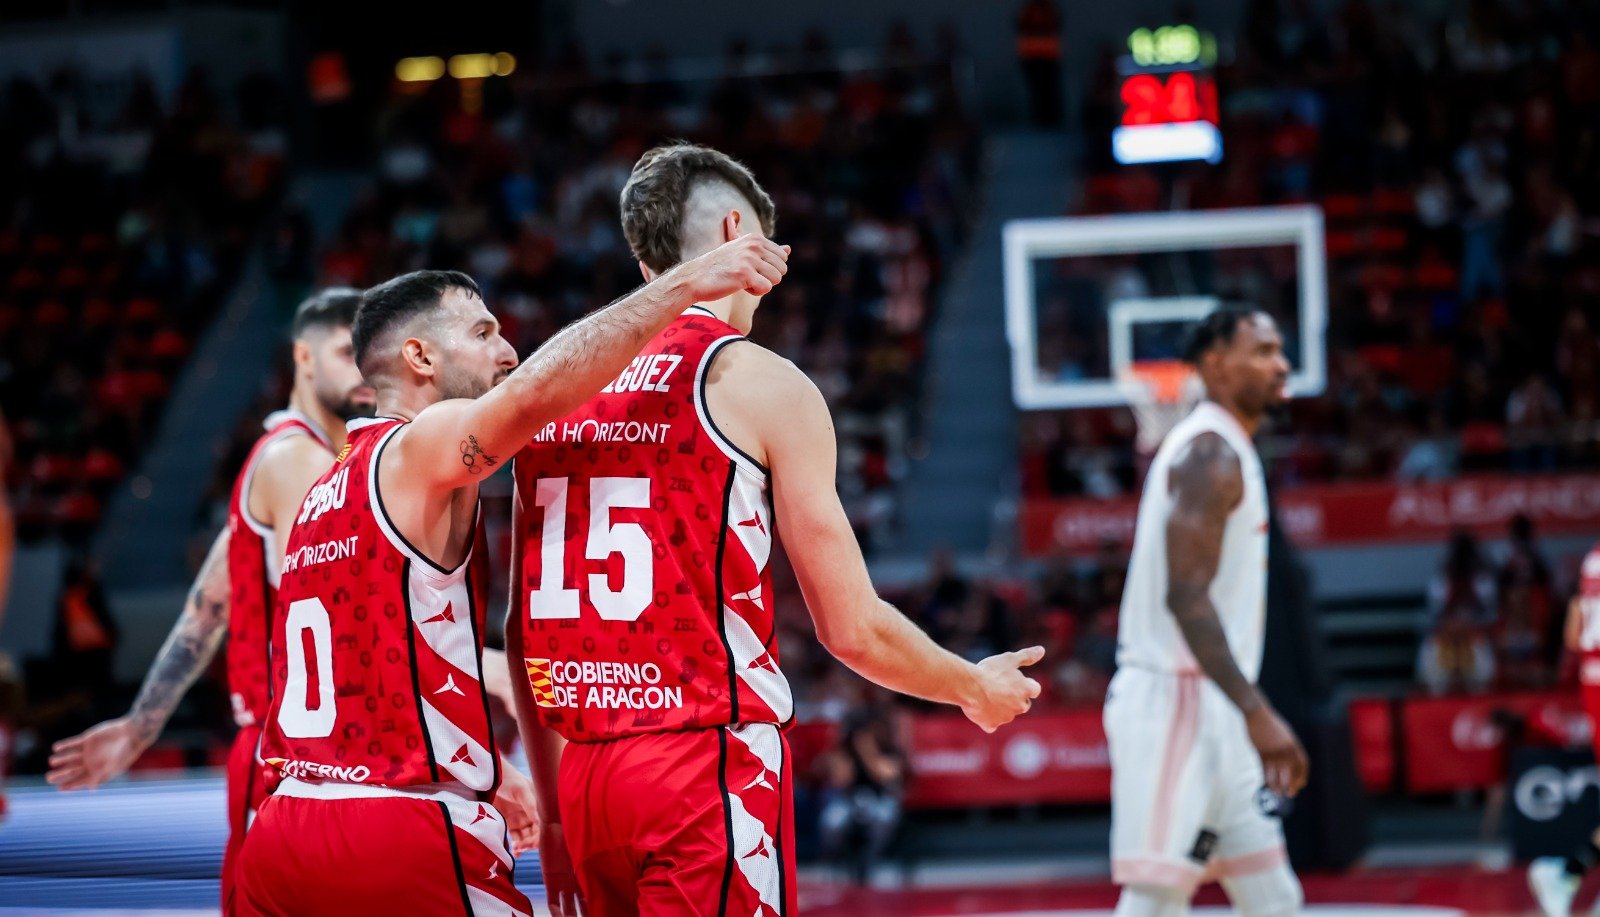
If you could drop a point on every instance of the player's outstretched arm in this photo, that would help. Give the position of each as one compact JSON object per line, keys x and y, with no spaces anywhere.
{"x":543,"y":745}
{"x":89,"y":759}
{"x":1206,"y":484}
{"x":575,"y":364}
{"x":866,"y":633}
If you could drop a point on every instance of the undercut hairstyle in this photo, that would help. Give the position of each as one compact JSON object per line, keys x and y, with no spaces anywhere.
{"x":1215,"y":330}
{"x":395,"y":302}
{"x":334,"y":307}
{"x":654,"y":199}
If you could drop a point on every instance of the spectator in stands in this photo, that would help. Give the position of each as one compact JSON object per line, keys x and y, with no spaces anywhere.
{"x":85,"y":638}
{"x":1463,"y":588}
{"x":1432,"y":453}
{"x":1528,"y":639}
{"x":1457,"y":657}
{"x":1534,"y":418}
{"x":861,"y":801}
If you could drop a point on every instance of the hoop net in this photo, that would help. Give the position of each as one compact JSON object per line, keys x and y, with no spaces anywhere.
{"x":1160,"y":393}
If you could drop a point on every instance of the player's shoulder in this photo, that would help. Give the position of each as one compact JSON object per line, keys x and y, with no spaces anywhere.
{"x":754,"y":369}
{"x":296,"y":454}
{"x":1208,"y":461}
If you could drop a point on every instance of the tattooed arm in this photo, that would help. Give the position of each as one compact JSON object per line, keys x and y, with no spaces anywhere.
{"x":453,"y":443}
{"x":107,"y":750}
{"x":1206,"y":484}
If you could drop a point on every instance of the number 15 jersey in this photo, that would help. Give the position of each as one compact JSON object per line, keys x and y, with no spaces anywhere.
{"x":644,"y":536}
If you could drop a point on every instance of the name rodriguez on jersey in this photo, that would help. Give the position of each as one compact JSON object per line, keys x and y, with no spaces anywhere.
{"x":600,"y":685}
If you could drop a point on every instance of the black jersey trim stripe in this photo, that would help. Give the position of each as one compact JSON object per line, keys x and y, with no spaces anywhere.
{"x":703,"y":311}
{"x":477,"y":641}
{"x":727,"y":820}
{"x":416,"y":684}
{"x":455,"y":858}
{"x":784,"y":779}
{"x":704,"y":407}
{"x":267,"y":604}
{"x":721,"y":601}
{"x":393,"y":531}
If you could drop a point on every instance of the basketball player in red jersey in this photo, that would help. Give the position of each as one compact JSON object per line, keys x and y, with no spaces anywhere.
{"x":643,"y":607}
{"x":233,"y":592}
{"x":379,"y":722}
{"x":1555,"y":880}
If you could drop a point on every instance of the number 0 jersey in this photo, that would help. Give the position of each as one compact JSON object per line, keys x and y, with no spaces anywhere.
{"x":644,"y":535}
{"x":377,"y":651}
{"x":253,"y":576}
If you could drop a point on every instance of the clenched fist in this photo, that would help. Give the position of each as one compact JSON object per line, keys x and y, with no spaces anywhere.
{"x":1001,"y":693}
{"x":751,"y":263}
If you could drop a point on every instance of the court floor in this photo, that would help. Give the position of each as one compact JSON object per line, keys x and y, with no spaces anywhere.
{"x":152,"y":848}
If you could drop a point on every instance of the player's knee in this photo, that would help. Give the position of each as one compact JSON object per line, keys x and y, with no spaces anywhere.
{"x":1270,"y":893}
{"x":1152,"y":901}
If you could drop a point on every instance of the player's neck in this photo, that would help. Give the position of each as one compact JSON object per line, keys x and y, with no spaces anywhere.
{"x":1250,"y":423}
{"x":738,"y":310}
{"x":331,"y":424}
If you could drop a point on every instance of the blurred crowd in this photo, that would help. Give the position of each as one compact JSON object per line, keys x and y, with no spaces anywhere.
{"x":1497,"y":624}
{"x":1457,"y":161}
{"x":870,"y":160}
{"x":124,"y":218}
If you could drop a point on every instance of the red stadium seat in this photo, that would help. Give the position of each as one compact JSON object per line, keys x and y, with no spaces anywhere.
{"x":1482,"y":438}
{"x":1340,"y":207}
{"x":1388,"y":240}
{"x":168,"y":346}
{"x":54,"y":470}
{"x":1393,"y":202}
{"x":141,"y":311}
{"x":1341,"y":243}
{"x":101,"y":466}
{"x":77,"y":510}
{"x":51,"y":314}
{"x":97,"y":313}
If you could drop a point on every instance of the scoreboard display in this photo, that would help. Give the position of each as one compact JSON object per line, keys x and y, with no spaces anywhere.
{"x":1169,"y":98}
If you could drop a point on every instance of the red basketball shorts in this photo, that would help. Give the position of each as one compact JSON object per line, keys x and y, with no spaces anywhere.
{"x":364,"y":853}
{"x":680,"y":823}
{"x":246,"y":790}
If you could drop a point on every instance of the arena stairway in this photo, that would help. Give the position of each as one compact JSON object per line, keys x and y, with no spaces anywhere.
{"x":949,"y":497}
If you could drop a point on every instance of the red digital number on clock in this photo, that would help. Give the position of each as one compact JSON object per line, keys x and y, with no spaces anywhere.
{"x":1180,"y":99}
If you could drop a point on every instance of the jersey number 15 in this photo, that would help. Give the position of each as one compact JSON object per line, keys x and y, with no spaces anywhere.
{"x":553,"y":599}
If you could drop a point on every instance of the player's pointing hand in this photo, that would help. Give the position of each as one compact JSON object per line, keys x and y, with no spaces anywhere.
{"x":751,"y":263}
{"x":1001,"y":693}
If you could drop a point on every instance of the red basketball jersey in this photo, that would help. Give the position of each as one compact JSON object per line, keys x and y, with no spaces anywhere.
{"x":1589,"y":609}
{"x":377,"y":651}
{"x":644,"y":592}
{"x":253,"y":576}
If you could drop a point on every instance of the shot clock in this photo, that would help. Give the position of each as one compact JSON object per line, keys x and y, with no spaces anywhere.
{"x":1169,"y":98}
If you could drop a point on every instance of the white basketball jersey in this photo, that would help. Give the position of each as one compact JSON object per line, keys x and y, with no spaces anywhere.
{"x":1147,"y":634}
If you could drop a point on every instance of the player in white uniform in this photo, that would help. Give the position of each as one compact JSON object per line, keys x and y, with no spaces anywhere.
{"x":1198,"y":756}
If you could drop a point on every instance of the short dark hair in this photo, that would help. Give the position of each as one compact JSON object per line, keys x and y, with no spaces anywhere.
{"x":396,"y":301}
{"x":656,"y":192}
{"x":1215,"y":330}
{"x":334,"y":307}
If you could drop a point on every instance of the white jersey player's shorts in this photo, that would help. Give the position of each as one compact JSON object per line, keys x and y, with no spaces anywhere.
{"x":1188,"y":795}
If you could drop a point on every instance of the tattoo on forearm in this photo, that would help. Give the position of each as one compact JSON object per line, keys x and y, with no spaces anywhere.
{"x":1206,"y":485}
{"x":473,"y":456}
{"x":188,"y":649}
{"x":1208,"y":642}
